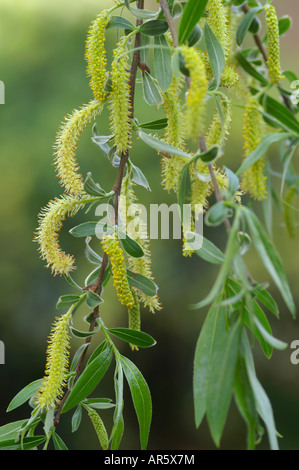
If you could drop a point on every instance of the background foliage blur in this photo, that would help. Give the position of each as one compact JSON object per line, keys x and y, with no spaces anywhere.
{"x":43,"y":68}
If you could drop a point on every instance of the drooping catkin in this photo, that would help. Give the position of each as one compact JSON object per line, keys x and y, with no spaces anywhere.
{"x":195,"y":102}
{"x":55,"y":378}
{"x":289,"y":212}
{"x":120,"y":99}
{"x":174,"y":135}
{"x":50,"y":223}
{"x":273,"y":44}
{"x":128,"y":210}
{"x":220,"y":125}
{"x":254,"y":179}
{"x":217,"y":18}
{"x":111,"y":247}
{"x":95,"y":55}
{"x":99,"y":428}
{"x":66,"y":146}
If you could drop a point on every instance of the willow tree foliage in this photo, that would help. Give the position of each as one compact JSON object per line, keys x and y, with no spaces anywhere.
{"x":187,"y":58}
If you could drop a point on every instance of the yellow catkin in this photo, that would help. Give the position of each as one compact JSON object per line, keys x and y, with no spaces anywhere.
{"x":95,"y":55}
{"x":50,"y":223}
{"x":289,"y":213}
{"x":99,"y":428}
{"x":195,"y":102}
{"x":254,"y":179}
{"x":218,"y":21}
{"x":55,"y":378}
{"x":143,"y":265}
{"x":220,"y":127}
{"x":120,"y":99}
{"x":66,"y":146}
{"x":174,"y":135}
{"x":111,"y":247}
{"x":273,"y":44}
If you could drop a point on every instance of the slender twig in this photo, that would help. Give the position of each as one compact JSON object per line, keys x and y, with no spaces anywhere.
{"x":117,"y":189}
{"x":264,"y":53}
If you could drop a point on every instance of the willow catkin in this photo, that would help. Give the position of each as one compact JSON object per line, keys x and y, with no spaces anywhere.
{"x":99,"y":428}
{"x":196,"y":95}
{"x":50,"y":223}
{"x":57,"y":364}
{"x":111,"y":247}
{"x":128,"y":210}
{"x":254,"y":179}
{"x":120,"y":99}
{"x":220,"y":126}
{"x":134,"y":317}
{"x":95,"y":55}
{"x":273,"y":43}
{"x":66,"y":146}
{"x":218,"y":21}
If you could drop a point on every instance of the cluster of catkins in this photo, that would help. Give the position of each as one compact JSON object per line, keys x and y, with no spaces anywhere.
{"x":185,"y":121}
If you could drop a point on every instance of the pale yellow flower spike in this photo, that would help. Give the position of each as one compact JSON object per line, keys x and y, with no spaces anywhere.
{"x":273,"y":44}
{"x":174,"y":135}
{"x":50,"y":223}
{"x":195,"y":103}
{"x":253,"y":180}
{"x":218,"y":130}
{"x":55,"y":378}
{"x":219,"y":23}
{"x":95,"y":55}
{"x":120,"y":100}
{"x":66,"y":146}
{"x":141,"y":265}
{"x":99,"y":428}
{"x":134,"y":317}
{"x":111,"y":247}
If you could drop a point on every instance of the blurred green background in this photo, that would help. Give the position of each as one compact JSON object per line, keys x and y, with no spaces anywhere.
{"x":42,"y":65}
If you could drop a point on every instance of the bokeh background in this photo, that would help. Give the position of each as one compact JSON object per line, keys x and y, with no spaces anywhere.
{"x":42,"y":66}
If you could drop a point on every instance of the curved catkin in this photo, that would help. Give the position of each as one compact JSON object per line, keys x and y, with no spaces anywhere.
{"x":55,"y":378}
{"x":129,"y":213}
{"x":273,"y":44}
{"x":120,"y":100}
{"x":66,"y":146}
{"x":195,"y":102}
{"x":174,"y":135}
{"x":289,"y":213}
{"x":95,"y":55}
{"x":220,"y":126}
{"x":99,"y":428}
{"x":50,"y":223}
{"x":254,"y":179}
{"x":111,"y":247}
{"x":218,"y":21}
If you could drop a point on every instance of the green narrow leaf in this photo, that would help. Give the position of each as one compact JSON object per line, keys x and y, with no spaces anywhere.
{"x":143,"y":283}
{"x":58,"y":442}
{"x":151,"y":93}
{"x":89,"y":379}
{"x":210,"y":335}
{"x":118,"y":421}
{"x":162,"y":63}
{"x":141,"y":398}
{"x":280,"y":113}
{"x":10,"y":431}
{"x":262,"y":149}
{"x":120,"y":22}
{"x":158,"y":144}
{"x":130,"y":246}
{"x":138,"y":338}
{"x":263,"y":404}
{"x":245,"y":24}
{"x":210,"y":253}
{"x":193,"y":11}
{"x":246,"y":65}
{"x":270,"y":258}
{"x":221,"y":380}
{"x":65,"y":301}
{"x":93,"y":299}
{"x":28,"y":443}
{"x":24,"y":395}
{"x":154,"y":125}
{"x":154,"y":27}
{"x":216,"y":55}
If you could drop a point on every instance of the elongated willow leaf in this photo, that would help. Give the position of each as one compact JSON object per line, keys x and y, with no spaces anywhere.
{"x":193,"y":11}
